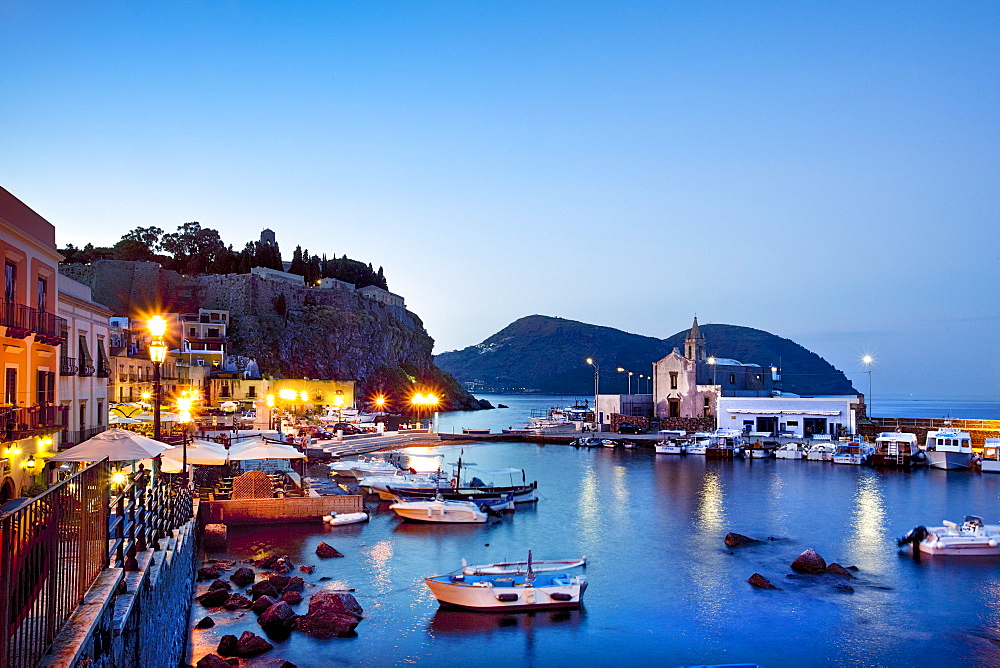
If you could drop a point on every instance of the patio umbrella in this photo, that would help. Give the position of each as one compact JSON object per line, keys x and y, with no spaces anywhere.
{"x":198,"y":452}
{"x":258,"y":448}
{"x":116,"y":418}
{"x":118,"y":445}
{"x":126,"y":410}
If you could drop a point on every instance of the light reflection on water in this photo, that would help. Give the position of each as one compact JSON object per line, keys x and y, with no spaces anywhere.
{"x":664,"y":590}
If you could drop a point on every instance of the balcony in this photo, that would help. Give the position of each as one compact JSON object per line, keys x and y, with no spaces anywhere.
{"x":67,"y":366}
{"x":21,"y":320}
{"x":50,"y":328}
{"x":87,"y":368}
{"x":18,"y":423}
{"x":103,"y":371}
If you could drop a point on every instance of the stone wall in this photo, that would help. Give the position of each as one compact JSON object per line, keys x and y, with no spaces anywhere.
{"x":979,"y":430}
{"x":292,"y":509}
{"x":688,"y":424}
{"x":134,"y":618}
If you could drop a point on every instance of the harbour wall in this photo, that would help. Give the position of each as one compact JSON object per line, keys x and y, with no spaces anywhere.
{"x":292,"y":509}
{"x":979,"y":430}
{"x":134,"y":618}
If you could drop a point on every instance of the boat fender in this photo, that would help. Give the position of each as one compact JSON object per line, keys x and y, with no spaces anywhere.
{"x":560,"y":596}
{"x":327,"y":518}
{"x":454,"y":483}
{"x":992,"y":543}
{"x":506,"y":598}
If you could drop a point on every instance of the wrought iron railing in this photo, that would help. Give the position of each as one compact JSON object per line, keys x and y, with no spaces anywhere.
{"x":53,"y":550}
{"x":25,"y":422}
{"x":87,"y":367}
{"x":49,"y":328}
{"x":56,"y":546}
{"x":103,"y":371}
{"x":67,"y":366}
{"x":21,"y":320}
{"x":79,"y":436}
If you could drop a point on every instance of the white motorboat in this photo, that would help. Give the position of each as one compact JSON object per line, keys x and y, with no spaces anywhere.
{"x":439,"y":510}
{"x":345,"y":518}
{"x":990,"y":463}
{"x":698,"y":445}
{"x":790,"y":451}
{"x":762,"y":449}
{"x":509,"y":592}
{"x":971,"y":539}
{"x":521,"y":567}
{"x":949,"y":448}
{"x":378,"y":466}
{"x":896,"y":449}
{"x":608,"y":443}
{"x":820,"y":452}
{"x":671,"y":447}
{"x":854,"y":452}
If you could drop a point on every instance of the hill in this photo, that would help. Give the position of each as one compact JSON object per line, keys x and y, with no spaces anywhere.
{"x":546,"y":354}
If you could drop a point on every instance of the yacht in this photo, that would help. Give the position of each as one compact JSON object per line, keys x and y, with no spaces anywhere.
{"x":725,"y":444}
{"x":856,"y":452}
{"x":990,"y":462}
{"x":821,"y":452}
{"x":949,"y":448}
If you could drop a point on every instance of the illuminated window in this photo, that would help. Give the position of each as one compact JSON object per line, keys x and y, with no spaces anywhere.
{"x":673,"y":383}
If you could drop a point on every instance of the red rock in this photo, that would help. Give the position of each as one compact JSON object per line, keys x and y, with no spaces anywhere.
{"x":330,"y":614}
{"x":251,"y":644}
{"x":292,"y":597}
{"x":227,"y":645}
{"x":758,"y":580}
{"x":266,"y":562}
{"x":739,"y":540}
{"x":220,"y":584}
{"x":837,"y":569}
{"x":284,"y":565}
{"x":278,"y":617}
{"x":279,"y":582}
{"x":325,"y":551}
{"x":263,"y":603}
{"x":809,"y":562}
{"x":263,"y":588}
{"x":214,"y":598}
{"x":208,"y":573}
{"x":243,"y":576}
{"x":205,"y":623}
{"x":212,"y":661}
{"x":237,"y":601}
{"x":306,"y":569}
{"x":295,"y":584}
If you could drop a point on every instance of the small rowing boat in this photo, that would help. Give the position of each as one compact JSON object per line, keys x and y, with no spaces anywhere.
{"x":519,"y":567}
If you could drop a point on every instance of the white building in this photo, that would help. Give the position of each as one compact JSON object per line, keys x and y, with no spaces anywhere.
{"x":84,"y":366}
{"x":795,"y":416}
{"x":380,"y":295}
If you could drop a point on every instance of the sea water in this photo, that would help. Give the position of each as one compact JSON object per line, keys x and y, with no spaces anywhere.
{"x":664,"y":589}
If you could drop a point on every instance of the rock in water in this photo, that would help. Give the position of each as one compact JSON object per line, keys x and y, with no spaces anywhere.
{"x":291,"y":597}
{"x":212,"y":661}
{"x":263,"y":603}
{"x":279,"y":582}
{"x":758,"y":580}
{"x":739,"y":540}
{"x":330,"y":614}
{"x":279,"y":617}
{"x":846,"y":589}
{"x":306,"y":569}
{"x":205,"y":623}
{"x":295,"y":584}
{"x":243,"y":576}
{"x":237,"y":601}
{"x":263,"y":588}
{"x":214,"y":598}
{"x":837,"y":569}
{"x":208,"y":573}
{"x":283,"y":565}
{"x":809,"y":562}
{"x":214,"y":537}
{"x":251,"y":644}
{"x":325,"y":551}
{"x":227,"y":646}
{"x":220,"y":584}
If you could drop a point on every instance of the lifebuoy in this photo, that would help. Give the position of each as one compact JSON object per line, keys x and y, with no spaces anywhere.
{"x":454,"y":483}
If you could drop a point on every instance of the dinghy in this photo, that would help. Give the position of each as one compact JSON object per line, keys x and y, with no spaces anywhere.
{"x":519,"y":567}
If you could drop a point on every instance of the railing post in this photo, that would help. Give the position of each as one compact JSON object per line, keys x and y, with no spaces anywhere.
{"x":6,"y":557}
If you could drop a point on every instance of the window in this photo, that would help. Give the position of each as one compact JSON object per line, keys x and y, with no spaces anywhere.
{"x":10,"y":282}
{"x":100,"y":412}
{"x":193,"y":332}
{"x":10,"y":387}
{"x":45,"y":389}
{"x":224,"y":391}
{"x":83,"y":415}
{"x":673,"y":383}
{"x":732,"y":379}
{"x":43,"y":291}
{"x":252,"y":391}
{"x":213,"y":332}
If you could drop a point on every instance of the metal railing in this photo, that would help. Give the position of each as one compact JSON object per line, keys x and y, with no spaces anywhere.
{"x":53,"y":550}
{"x":79,"y":436}
{"x":28,"y":421}
{"x":67,"y":366}
{"x":87,"y":367}
{"x":49,"y":328}
{"x":56,"y":546}
{"x":103,"y":371}
{"x":21,"y":320}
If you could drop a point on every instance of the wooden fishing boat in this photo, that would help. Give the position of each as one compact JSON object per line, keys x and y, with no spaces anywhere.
{"x":520,"y":567}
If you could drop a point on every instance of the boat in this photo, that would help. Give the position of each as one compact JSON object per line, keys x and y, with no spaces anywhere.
{"x":990,"y":463}
{"x":671,"y":447}
{"x":608,"y":443}
{"x":520,"y":494}
{"x":439,"y":510}
{"x":762,"y":449}
{"x":791,"y":450}
{"x":336,"y":519}
{"x":503,"y":592}
{"x":856,"y":452}
{"x":895,"y":450}
{"x":475,"y":431}
{"x":949,"y":448}
{"x":821,"y":452}
{"x":725,"y":444}
{"x":698,"y":444}
{"x":973,"y":538}
{"x":489,"y":504}
{"x":521,"y":567}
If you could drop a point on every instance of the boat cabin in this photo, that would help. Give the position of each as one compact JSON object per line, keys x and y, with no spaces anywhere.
{"x":949,"y":440}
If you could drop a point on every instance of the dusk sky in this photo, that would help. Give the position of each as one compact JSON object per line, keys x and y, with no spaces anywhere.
{"x":830,"y":174}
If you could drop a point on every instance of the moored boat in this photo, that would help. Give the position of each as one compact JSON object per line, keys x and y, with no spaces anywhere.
{"x":725,"y":444}
{"x":820,"y":452}
{"x":698,"y":444}
{"x":762,"y":449}
{"x":439,"y":510}
{"x":895,"y":449}
{"x":854,"y":452}
{"x":671,"y":447}
{"x":475,"y":431}
{"x":790,"y":451}
{"x":990,"y":463}
{"x":336,"y":519}
{"x":949,"y":448}
{"x":972,"y":539}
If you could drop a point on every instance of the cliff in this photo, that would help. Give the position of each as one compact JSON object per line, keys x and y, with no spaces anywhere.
{"x":292,"y":331}
{"x":548,"y":355}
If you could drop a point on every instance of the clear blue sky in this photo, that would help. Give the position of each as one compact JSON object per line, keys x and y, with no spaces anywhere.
{"x":827,"y":173}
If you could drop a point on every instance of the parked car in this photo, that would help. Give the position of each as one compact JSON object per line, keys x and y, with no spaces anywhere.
{"x":345,"y":427}
{"x":629,"y":428}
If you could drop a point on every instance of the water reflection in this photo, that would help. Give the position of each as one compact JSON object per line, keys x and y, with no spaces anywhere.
{"x":868,"y":544}
{"x":710,"y":588}
{"x":379,"y":555}
{"x":589,"y":508}
{"x":461,"y":622}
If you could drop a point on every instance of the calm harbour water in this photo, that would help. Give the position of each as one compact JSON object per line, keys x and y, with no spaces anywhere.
{"x":664,"y":590}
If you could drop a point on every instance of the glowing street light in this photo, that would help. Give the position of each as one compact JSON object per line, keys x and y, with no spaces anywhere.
{"x":868,"y":361}
{"x":157,"y":327}
{"x":713,"y":361}
{"x":597,"y":389}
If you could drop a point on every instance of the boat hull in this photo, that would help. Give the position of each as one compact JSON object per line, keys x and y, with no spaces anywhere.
{"x":670,"y":449}
{"x":856,"y":460}
{"x":990,"y":466}
{"x":438,"y":512}
{"x":723,"y":453}
{"x":942,"y":459}
{"x":468,"y":596}
{"x":788,"y":454}
{"x":891,"y":461}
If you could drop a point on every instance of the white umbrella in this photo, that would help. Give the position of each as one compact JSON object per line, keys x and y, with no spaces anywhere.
{"x":198,"y":452}
{"x":116,"y":418}
{"x":118,"y":445}
{"x":258,"y":448}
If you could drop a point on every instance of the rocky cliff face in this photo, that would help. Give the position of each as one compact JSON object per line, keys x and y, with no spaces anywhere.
{"x":292,"y":331}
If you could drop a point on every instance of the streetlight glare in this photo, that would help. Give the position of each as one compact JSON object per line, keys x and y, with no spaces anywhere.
{"x":867,"y":360}
{"x":157,"y":326}
{"x":590,"y":360}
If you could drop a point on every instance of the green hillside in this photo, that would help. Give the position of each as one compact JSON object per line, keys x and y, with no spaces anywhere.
{"x":548,"y":355}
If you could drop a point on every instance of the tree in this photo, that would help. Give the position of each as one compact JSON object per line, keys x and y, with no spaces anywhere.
{"x":298,"y":265}
{"x":147,"y":236}
{"x":194,"y":248}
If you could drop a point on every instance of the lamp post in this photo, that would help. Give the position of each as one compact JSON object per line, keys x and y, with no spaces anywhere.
{"x":868,"y":360}
{"x":157,"y":354}
{"x":712,"y":361}
{"x":597,"y":390}
{"x":184,"y":403}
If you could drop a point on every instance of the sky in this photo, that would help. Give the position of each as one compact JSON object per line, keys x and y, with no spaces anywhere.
{"x":827,"y":172}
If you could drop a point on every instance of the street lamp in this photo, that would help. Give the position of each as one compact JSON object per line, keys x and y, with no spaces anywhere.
{"x":420,"y":399}
{"x":621,"y":370}
{"x":157,"y":354}
{"x":597,"y":390}
{"x":868,"y":360}
{"x":184,"y":404}
{"x":712,"y":361}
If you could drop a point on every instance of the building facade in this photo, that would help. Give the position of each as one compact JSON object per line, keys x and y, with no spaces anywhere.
{"x":84,"y":363}
{"x":803,"y":417}
{"x":30,"y":333}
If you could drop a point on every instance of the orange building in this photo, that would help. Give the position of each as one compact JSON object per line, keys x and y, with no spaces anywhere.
{"x":30,"y":335}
